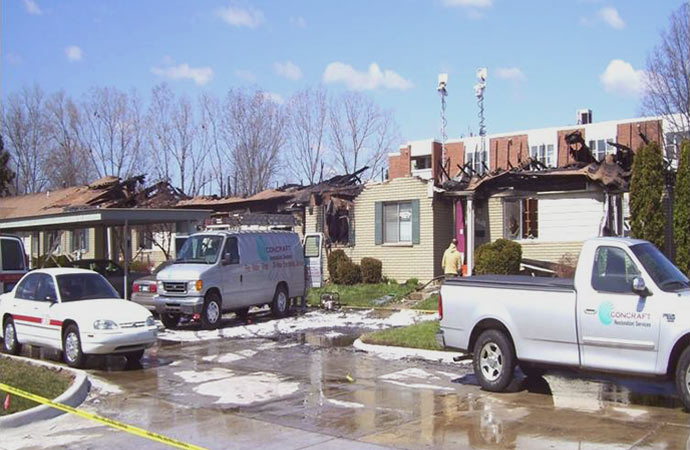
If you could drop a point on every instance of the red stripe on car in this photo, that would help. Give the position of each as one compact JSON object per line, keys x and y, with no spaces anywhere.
{"x":57,"y":323}
{"x":27,"y":318}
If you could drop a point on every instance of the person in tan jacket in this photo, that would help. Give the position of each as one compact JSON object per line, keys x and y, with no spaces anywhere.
{"x":451,"y":259}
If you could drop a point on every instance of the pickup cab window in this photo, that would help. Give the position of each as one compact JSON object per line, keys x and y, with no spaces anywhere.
{"x":613,"y":270}
{"x":663,"y":272}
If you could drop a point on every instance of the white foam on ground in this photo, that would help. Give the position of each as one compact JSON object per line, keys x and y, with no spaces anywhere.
{"x":310,"y":321}
{"x":248,"y":389}
{"x":193,"y":376}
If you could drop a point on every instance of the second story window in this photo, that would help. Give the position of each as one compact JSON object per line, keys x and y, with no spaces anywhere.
{"x":543,"y":153}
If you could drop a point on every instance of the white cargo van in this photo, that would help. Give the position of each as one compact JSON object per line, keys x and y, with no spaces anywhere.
{"x":226,"y":271}
{"x":12,"y":262}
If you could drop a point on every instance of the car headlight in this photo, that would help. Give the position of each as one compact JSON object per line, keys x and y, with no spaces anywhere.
{"x":150,"y":321}
{"x":195,"y":286}
{"x":104,"y":325}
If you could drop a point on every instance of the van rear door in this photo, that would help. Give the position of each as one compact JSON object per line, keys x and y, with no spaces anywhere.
{"x":313,"y":255}
{"x":12,"y":262}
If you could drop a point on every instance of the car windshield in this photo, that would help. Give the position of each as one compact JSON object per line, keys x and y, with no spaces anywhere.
{"x":201,"y":249}
{"x":663,"y":272}
{"x":84,"y":286}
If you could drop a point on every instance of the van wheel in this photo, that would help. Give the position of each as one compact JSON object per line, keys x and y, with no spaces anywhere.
{"x":280,"y":302}
{"x":10,"y":343}
{"x":494,"y":360}
{"x":212,"y":313}
{"x":170,"y":320}
{"x":683,"y":378}
{"x":71,"y":347}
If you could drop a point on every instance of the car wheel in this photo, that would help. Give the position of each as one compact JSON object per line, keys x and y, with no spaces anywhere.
{"x":242,"y":313}
{"x":683,"y":378}
{"x":134,"y":357}
{"x":280,"y":302}
{"x":494,"y":360}
{"x":170,"y":320}
{"x":71,"y":347}
{"x":212,"y":313}
{"x":531,"y":371}
{"x":10,"y":344}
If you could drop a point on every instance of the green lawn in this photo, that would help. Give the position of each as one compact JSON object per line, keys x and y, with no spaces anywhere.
{"x":421,"y":335}
{"x":38,"y":380}
{"x":360,"y":294}
{"x":430,"y":304}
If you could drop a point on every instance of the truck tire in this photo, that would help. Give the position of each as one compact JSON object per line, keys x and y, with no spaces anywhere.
{"x":280,"y":302}
{"x":494,"y":360}
{"x":212,"y":313}
{"x":683,"y":377}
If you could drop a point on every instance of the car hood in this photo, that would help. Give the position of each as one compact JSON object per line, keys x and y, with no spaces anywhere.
{"x":117,"y":310}
{"x":183,"y":272}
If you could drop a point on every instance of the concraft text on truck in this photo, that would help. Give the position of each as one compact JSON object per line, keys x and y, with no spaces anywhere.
{"x":627,"y":311}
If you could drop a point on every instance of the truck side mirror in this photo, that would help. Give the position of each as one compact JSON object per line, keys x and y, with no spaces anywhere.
{"x":639,"y":287}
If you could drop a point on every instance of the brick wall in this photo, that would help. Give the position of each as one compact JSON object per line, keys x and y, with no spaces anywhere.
{"x":400,"y":165}
{"x":456,"y":154}
{"x":629,"y":133}
{"x":508,"y":148}
{"x":436,"y":156}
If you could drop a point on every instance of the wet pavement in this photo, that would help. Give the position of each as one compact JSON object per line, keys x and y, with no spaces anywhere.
{"x":306,"y":390}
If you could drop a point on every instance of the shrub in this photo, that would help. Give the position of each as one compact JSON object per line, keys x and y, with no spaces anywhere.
{"x":348,"y":272}
{"x":412,"y":282}
{"x":566,"y":266}
{"x":648,"y":218}
{"x":138,"y":266}
{"x":681,"y":210}
{"x":334,"y":259}
{"x":501,"y":257}
{"x":371,"y":270}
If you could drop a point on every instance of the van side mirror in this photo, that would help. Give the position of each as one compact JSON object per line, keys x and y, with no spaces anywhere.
{"x":639,"y":287}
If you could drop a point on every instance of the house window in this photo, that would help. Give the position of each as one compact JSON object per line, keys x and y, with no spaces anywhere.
{"x":144,"y":239}
{"x":543,"y":153}
{"x":51,"y":242}
{"x":421,"y":162}
{"x":80,"y":240}
{"x":477,"y":161}
{"x":521,"y":219}
{"x":600,"y":148}
{"x":397,"y":222}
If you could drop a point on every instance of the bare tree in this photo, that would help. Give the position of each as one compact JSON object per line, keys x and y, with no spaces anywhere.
{"x":110,"y":128}
{"x":176,"y":138}
{"x":307,"y":114}
{"x":25,"y":125}
{"x":254,"y":129}
{"x":69,"y":162}
{"x":361,"y":133}
{"x":668,"y":73}
{"x":211,"y":138}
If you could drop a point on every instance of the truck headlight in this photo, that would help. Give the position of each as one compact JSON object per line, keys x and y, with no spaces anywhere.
{"x":195,"y":286}
{"x":160,"y":286}
{"x":104,"y":325}
{"x":150,"y":321}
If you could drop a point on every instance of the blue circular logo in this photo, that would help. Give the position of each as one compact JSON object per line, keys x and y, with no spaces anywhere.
{"x":605,"y":309}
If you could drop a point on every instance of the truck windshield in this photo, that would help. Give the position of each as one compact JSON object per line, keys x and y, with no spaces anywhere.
{"x":663,"y":272}
{"x":201,"y":249}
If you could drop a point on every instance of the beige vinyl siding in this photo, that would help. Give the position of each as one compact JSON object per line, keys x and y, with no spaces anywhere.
{"x":495,"y":218}
{"x":550,"y":251}
{"x":400,"y":261}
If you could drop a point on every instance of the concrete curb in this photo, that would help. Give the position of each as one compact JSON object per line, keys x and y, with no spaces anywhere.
{"x":390,"y":352}
{"x":73,"y":396}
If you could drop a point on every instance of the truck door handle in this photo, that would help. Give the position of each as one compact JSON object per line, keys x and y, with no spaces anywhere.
{"x":590,"y":311}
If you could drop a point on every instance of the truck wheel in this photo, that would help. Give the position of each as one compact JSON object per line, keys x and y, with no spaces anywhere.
{"x":10,"y":343}
{"x":530,"y":370}
{"x":212,"y":313}
{"x":494,"y":360}
{"x":280,"y":302}
{"x":683,"y":377}
{"x":170,"y":320}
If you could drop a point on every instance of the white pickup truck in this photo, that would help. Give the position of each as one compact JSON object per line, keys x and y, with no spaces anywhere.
{"x":627,"y":310}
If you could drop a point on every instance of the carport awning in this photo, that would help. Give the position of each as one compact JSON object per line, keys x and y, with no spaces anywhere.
{"x":87,"y":218}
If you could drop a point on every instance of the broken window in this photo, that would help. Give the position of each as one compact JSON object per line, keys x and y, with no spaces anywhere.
{"x":421,"y":162}
{"x":521,"y":219}
{"x":339,"y":221}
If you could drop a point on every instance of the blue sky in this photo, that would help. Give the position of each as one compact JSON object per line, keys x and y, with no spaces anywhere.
{"x":545,"y":58}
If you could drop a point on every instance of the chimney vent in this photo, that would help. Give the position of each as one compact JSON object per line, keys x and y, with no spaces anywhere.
{"x":584,"y":116}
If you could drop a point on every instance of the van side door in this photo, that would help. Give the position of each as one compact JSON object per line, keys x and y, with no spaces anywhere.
{"x":232,"y":280}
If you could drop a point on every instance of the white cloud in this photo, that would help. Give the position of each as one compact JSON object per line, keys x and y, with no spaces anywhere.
{"x":200,"y":75}
{"x":469,"y":3}
{"x":246,"y":75}
{"x":511,"y":74}
{"x":239,"y":17}
{"x":275,"y":98}
{"x":74,"y":53}
{"x":32,"y":7}
{"x":299,"y":22}
{"x":288,"y":69}
{"x":338,"y":72}
{"x":621,"y":78}
{"x":611,"y":17}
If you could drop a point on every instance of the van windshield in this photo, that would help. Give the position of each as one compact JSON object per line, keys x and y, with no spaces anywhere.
{"x":201,"y":249}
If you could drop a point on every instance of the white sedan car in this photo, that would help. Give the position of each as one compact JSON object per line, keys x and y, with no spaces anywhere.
{"x":76,"y":311}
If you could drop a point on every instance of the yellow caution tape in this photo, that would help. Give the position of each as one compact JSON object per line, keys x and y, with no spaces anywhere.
{"x":104,"y":420}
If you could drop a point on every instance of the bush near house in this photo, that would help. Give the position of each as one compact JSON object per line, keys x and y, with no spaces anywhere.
{"x":334,"y":259}
{"x":648,"y":218}
{"x":348,"y":272}
{"x":500,"y":257}
{"x":681,"y":210}
{"x":371,"y":270}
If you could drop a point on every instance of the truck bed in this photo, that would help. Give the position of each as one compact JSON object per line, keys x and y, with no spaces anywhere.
{"x":515,"y":282}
